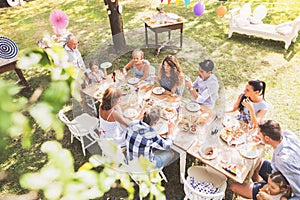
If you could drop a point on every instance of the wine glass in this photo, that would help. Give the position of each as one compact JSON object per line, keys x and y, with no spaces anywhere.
{"x":250,"y":131}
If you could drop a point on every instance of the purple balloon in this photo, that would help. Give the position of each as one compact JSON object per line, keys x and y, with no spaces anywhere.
{"x":199,"y":8}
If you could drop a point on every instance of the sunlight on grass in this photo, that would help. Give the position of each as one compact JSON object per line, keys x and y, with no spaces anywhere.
{"x":238,"y":59}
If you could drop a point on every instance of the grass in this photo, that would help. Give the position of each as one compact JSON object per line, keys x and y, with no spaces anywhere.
{"x":238,"y":59}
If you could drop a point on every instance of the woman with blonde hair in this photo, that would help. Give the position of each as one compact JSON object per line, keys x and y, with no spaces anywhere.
{"x":111,"y":120}
{"x":170,"y":74}
{"x":140,"y":65}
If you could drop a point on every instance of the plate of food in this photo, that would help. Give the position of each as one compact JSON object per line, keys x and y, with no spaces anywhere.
{"x":130,"y":113}
{"x":152,"y":22}
{"x":208,"y":152}
{"x":98,"y":95}
{"x":167,"y":113}
{"x":233,"y":136}
{"x":105,"y":65}
{"x":193,"y":107}
{"x":158,"y":90}
{"x":148,"y":102}
{"x":133,"y":80}
{"x":125,"y":88}
{"x":249,"y":150}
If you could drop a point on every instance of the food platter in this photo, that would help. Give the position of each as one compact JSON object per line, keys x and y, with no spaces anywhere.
{"x":130,"y":113}
{"x":234,"y":137}
{"x":167,"y":113}
{"x":125,"y":88}
{"x":158,"y":90}
{"x":105,"y":65}
{"x":249,"y":150}
{"x":208,"y":152}
{"x":193,"y":107}
{"x":133,"y":80}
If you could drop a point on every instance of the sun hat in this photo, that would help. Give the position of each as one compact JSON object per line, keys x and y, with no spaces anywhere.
{"x":207,"y":65}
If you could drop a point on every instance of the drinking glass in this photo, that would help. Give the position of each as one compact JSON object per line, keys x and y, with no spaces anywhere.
{"x":250,"y":131}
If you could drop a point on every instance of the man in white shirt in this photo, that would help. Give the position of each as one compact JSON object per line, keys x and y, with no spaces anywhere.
{"x":205,"y":88}
{"x":75,"y":55}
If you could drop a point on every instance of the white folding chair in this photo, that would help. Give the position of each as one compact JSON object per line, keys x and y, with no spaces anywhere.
{"x":203,"y":174}
{"x":79,"y":128}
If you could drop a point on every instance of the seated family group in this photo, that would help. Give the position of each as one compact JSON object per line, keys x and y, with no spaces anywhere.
{"x":279,"y":177}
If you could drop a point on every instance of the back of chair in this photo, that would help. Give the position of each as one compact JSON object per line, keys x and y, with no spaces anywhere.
{"x":71,"y":125}
{"x":193,"y":194}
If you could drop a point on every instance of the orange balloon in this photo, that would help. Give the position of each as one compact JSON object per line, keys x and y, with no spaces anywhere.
{"x":221,"y":10}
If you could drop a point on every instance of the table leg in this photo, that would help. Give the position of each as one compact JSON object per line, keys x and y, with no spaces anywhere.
{"x":181,"y":30}
{"x":156,"y":39}
{"x":21,"y":77}
{"x":169,"y":35}
{"x":182,"y":160}
{"x":146,"y":35}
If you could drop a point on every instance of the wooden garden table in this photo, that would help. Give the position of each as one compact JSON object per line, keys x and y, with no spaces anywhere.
{"x":10,"y":64}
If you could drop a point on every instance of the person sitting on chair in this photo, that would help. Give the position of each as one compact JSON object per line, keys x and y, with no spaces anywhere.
{"x":143,"y":140}
{"x":140,"y":65}
{"x":205,"y":88}
{"x":170,"y":74}
{"x":96,"y":74}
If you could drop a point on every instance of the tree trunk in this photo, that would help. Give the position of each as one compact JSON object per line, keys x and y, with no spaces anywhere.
{"x":116,"y":24}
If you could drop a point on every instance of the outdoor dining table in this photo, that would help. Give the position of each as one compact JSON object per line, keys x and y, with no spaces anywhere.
{"x":185,"y":141}
{"x":234,"y":154}
{"x":182,"y":139}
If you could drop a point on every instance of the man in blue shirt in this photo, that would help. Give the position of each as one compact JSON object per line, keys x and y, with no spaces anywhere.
{"x":285,"y":159}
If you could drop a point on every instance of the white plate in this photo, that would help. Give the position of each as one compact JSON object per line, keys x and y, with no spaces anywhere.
{"x":193,"y":107}
{"x":158,"y":90}
{"x":249,"y":150}
{"x":202,"y":151}
{"x":105,"y":65}
{"x":133,"y":81}
{"x":161,"y":127}
{"x":130,"y":113}
{"x":125,"y":88}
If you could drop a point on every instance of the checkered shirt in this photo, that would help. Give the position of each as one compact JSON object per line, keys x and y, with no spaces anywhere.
{"x":141,"y":139}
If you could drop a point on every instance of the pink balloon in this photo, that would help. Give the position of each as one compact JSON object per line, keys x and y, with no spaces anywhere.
{"x":59,"y":19}
{"x":199,"y":8}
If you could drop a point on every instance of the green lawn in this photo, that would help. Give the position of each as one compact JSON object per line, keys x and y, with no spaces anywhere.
{"x":238,"y":59}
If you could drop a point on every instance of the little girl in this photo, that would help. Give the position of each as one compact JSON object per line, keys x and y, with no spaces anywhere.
{"x":140,"y":65}
{"x":96,"y":74}
{"x":277,"y":188}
